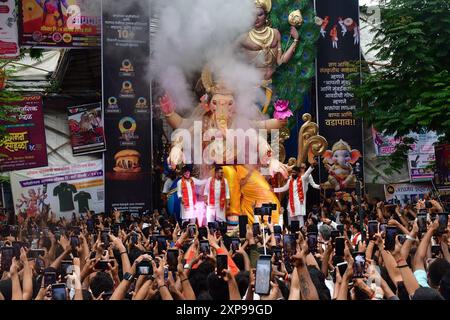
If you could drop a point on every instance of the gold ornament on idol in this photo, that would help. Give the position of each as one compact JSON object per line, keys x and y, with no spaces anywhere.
{"x":263,"y":38}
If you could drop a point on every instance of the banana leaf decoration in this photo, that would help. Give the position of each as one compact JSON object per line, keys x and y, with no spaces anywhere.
{"x":293,"y":80}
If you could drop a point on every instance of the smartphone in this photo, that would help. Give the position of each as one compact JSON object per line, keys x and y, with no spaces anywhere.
{"x":277,"y":229}
{"x":107,"y":295}
{"x":192,"y":230}
{"x":277,"y":239}
{"x":7,"y":256}
{"x":422,"y":222}
{"x":49,"y":278}
{"x":289,"y":245}
{"x":222,"y":263}
{"x":339,"y":246}
{"x":92,"y":255}
{"x":223,"y":227}
{"x":436,"y":250}
{"x":443,"y":222}
{"x":263,"y":274}
{"x":340,"y":228}
{"x":101,"y":265}
{"x":373,"y":228}
{"x":278,"y":256}
{"x":90,"y":226}
{"x":256,"y":229}
{"x":383,"y":227}
{"x":105,"y":237}
{"x":402,"y":238}
{"x":243,"y":221}
{"x":162,"y":244}
{"x":17,"y":246}
{"x":115,"y":229}
{"x":134,"y":238}
{"x":213,"y":227}
{"x":172,"y":259}
{"x":334,"y":235}
{"x":295,"y":227}
{"x":74,"y":241}
{"x":234,"y":244}
{"x":312,"y":241}
{"x":389,"y":242}
{"x":202,"y":233}
{"x":204,"y":247}
{"x":66,"y":267}
{"x":36,"y":253}
{"x":342,"y":266}
{"x":359,"y":266}
{"x":144,"y":268}
{"x":57,"y":235}
{"x":59,"y":291}
{"x":39,"y":265}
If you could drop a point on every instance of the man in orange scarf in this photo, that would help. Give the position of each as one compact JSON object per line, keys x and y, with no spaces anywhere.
{"x":217,"y":194}
{"x":186,"y":194}
{"x":298,"y":185}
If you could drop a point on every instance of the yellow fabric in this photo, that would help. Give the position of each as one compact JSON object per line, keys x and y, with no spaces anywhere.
{"x":255,"y":192}
{"x":269,"y":93}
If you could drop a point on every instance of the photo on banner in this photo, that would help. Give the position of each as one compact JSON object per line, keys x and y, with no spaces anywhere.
{"x":405,"y":193}
{"x":64,"y":190}
{"x":338,"y":57}
{"x":86,"y":128}
{"x":442,"y":174}
{"x":60,"y":23}
{"x":126,"y":96}
{"x":23,"y":146}
{"x":9,"y":35}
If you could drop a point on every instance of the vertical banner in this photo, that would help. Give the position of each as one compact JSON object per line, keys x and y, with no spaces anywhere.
{"x":86,"y":129}
{"x":126,"y":95}
{"x":60,"y":23}
{"x":23,"y":146}
{"x":338,"y":57}
{"x":9,"y":41}
{"x":442,"y":174}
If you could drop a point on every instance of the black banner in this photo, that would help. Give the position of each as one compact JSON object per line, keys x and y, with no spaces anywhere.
{"x":338,"y":57}
{"x":126,"y":95}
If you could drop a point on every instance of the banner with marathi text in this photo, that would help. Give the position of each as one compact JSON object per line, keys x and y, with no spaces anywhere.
{"x":338,"y":57}
{"x":23,"y":146}
{"x":60,"y":23}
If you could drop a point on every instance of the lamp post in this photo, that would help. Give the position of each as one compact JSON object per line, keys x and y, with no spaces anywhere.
{"x":359,"y":179}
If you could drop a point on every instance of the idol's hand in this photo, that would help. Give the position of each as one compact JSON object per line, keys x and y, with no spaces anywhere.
{"x":167,"y":105}
{"x":276,"y":166}
{"x":176,"y":157}
{"x":294,"y":33}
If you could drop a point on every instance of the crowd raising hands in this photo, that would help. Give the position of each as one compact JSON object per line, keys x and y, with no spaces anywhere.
{"x":391,"y":253}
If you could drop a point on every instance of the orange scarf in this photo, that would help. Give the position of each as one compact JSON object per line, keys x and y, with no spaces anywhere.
{"x":212,"y":193}
{"x":186,"y":194}
{"x":301,"y":196}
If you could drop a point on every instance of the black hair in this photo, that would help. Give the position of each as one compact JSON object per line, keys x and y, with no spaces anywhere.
{"x":444,"y":286}
{"x":296,"y":169}
{"x":101,"y":282}
{"x":357,"y":226}
{"x":217,"y":287}
{"x":360,"y":295}
{"x":436,"y":271}
{"x":242,"y":280}
{"x":425,"y":293}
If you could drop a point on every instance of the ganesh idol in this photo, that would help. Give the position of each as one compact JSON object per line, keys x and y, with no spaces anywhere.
{"x":262,"y":46}
{"x":219,"y":115}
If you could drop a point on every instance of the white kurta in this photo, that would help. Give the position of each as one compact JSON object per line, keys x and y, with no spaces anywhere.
{"x":299,"y":208}
{"x":190,"y":212}
{"x":215,"y":213}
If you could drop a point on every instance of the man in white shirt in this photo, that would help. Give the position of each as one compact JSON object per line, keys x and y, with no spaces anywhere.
{"x":187,"y":195}
{"x":298,"y":185}
{"x":217,"y":196}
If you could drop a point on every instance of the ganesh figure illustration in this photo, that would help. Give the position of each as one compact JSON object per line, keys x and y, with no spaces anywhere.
{"x":339,"y":163}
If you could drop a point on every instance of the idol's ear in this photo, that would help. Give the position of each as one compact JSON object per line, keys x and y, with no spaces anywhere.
{"x":355,"y":155}
{"x":328,"y":157}
{"x":204,"y":103}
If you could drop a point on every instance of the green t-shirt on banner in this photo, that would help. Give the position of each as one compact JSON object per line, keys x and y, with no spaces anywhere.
{"x":83,"y":201}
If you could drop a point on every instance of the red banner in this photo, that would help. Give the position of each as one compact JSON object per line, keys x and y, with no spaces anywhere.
{"x":23,"y":145}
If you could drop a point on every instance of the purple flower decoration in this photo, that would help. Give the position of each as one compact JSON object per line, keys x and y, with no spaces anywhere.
{"x":282,"y":111}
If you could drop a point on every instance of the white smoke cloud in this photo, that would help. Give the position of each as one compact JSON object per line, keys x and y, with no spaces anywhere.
{"x":195,"y":32}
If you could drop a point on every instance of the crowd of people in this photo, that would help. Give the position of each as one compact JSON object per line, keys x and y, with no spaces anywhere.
{"x":342,"y":251}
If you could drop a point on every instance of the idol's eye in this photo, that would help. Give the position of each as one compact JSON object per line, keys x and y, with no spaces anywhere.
{"x":214,"y":102}
{"x":231,"y":103}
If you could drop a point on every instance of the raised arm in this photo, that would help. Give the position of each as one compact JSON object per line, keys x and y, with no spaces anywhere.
{"x":419,"y":257}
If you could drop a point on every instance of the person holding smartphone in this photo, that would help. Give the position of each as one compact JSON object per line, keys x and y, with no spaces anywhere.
{"x":217,"y":196}
{"x":297,"y":185}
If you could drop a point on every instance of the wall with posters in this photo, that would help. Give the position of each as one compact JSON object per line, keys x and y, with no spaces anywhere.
{"x":24,"y":146}
{"x":65,"y":189}
{"x":60,"y":23}
{"x":126,"y":96}
{"x":405,"y":193}
{"x":86,"y":129}
{"x":338,"y":57}
{"x":9,"y":41}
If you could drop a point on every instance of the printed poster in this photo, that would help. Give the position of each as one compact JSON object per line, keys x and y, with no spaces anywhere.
{"x":405,"y":193}
{"x":65,"y":190}
{"x":9,"y":40}
{"x":338,"y":57}
{"x":442,"y":174}
{"x":60,"y":24}
{"x":86,"y":129}
{"x":24,"y":146}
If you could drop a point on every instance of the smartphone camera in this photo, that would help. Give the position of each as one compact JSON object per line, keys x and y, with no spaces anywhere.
{"x":144,"y":268}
